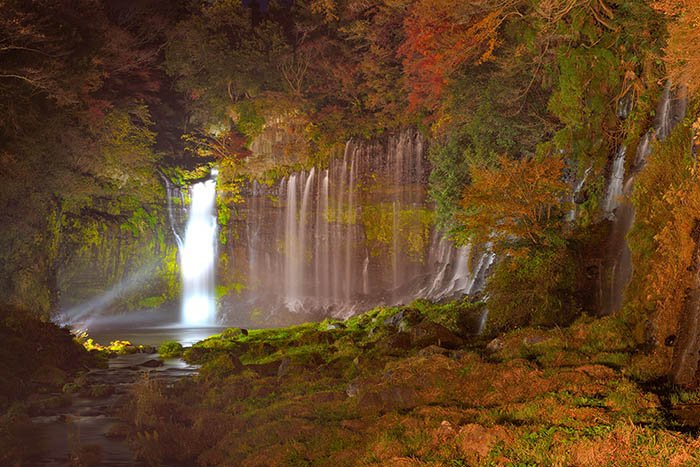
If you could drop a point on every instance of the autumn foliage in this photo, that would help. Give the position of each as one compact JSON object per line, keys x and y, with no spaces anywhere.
{"x":442,"y":35}
{"x":516,"y":201}
{"x":683,"y":48}
{"x":667,"y":201}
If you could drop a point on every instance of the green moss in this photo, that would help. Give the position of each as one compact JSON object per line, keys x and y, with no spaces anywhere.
{"x":170,"y":349}
{"x":151,"y":302}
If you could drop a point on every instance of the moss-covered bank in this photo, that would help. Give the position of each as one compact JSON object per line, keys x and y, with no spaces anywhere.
{"x":395,"y":387}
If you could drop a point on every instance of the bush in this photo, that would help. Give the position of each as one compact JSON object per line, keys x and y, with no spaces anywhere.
{"x":25,"y":369}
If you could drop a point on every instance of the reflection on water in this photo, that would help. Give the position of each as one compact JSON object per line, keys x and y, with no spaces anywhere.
{"x":152,"y":336}
{"x":143,"y":328}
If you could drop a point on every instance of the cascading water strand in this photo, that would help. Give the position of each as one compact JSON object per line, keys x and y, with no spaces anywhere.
{"x":197,"y":257}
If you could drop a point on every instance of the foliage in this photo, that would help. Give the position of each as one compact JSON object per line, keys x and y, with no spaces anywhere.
{"x":441,"y":35}
{"x":541,"y":398}
{"x":681,"y":51}
{"x":517,"y":201}
{"x":534,"y":289}
{"x":666,"y":198}
{"x":412,"y":225}
{"x":449,"y":175}
{"x":26,"y":370}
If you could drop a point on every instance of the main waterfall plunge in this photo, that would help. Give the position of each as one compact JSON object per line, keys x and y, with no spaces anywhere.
{"x":334,"y":241}
{"x":197,"y":258}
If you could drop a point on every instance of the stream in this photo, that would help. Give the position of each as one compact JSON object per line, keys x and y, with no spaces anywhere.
{"x":89,"y":424}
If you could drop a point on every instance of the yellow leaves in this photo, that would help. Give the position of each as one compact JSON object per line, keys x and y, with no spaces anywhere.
{"x":325,"y":8}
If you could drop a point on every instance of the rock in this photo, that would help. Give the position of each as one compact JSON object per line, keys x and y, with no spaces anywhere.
{"x":433,"y":350}
{"x":195,"y":355}
{"x":396,"y":344}
{"x":428,"y":333}
{"x":153,"y":363}
{"x":532,"y":340}
{"x":316,"y":337}
{"x":118,"y":431}
{"x":477,"y":440}
{"x":495,"y":345}
{"x":49,"y":377}
{"x":234,"y":333}
{"x":283,"y":368}
{"x":39,"y":404}
{"x":387,"y":399}
{"x":352,"y":390}
{"x":265,"y":369}
{"x":264,"y":348}
{"x":98,"y":390}
{"x":404,"y":319}
{"x":335,"y":326}
{"x":236,"y":363}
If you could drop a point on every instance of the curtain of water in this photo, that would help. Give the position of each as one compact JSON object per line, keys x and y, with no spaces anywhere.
{"x":351,"y":234}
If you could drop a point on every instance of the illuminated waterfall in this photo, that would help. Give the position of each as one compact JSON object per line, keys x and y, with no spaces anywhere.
{"x":197,"y":257}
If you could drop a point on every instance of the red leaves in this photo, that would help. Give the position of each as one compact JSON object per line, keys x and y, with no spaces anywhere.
{"x":442,"y":35}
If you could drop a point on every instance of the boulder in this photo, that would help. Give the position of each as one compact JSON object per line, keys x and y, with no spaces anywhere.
{"x":387,"y":399}
{"x":283,"y":367}
{"x":404,"y":319}
{"x":476,"y":441}
{"x":234,"y":333}
{"x":395,"y":344}
{"x":428,"y":333}
{"x":495,"y":345}
{"x":433,"y":350}
{"x":265,"y":369}
{"x":153,"y":363}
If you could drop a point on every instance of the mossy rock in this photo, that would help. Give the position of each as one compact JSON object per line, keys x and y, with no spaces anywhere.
{"x":222,"y":366}
{"x":49,"y":378}
{"x":234,"y":333}
{"x":170,"y":349}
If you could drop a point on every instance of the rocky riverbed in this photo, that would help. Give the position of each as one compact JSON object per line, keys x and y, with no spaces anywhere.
{"x":80,"y":426}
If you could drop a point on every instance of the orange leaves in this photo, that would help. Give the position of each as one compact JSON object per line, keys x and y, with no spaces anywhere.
{"x":441,"y":35}
{"x":517,"y":200}
{"x":683,"y":48}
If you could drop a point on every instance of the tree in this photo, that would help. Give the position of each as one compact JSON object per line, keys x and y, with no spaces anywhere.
{"x":441,"y":35}
{"x":516,"y":203}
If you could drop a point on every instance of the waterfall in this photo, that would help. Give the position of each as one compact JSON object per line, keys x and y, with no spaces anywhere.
{"x":354,"y":234}
{"x":197,"y":257}
{"x":617,"y":178}
{"x":618,"y":208}
{"x":571,"y":215}
{"x":643,"y":151}
{"x":292,"y":264}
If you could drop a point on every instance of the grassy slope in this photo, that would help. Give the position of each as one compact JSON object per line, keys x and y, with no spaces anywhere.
{"x":363,"y":393}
